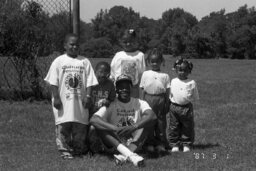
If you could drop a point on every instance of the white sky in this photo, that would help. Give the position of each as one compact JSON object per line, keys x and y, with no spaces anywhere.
{"x":155,"y":8}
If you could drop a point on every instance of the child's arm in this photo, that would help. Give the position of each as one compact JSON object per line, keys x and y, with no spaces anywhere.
{"x":89,"y":91}
{"x":167,"y":101}
{"x":141,"y":69}
{"x":112,"y":93}
{"x":55,"y":92}
{"x":141,"y":87}
{"x":91,"y":81}
{"x":99,"y":123}
{"x":168,"y":89}
{"x":195,"y":93}
{"x":167,"y":94}
{"x":142,"y":93}
{"x":113,"y":68}
{"x":87,"y":102}
{"x":111,"y":97}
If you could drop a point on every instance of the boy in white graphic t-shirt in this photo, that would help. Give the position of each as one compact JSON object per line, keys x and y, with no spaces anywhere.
{"x":70,"y":77}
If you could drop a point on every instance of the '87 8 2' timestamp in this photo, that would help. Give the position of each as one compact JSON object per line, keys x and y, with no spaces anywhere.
{"x":213,"y":156}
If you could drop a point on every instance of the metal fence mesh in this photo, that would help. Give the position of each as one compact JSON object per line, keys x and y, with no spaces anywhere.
{"x":55,"y":6}
{"x":13,"y":84}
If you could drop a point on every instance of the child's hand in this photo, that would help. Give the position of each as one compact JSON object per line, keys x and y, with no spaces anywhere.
{"x":126,"y":130}
{"x":106,"y":102}
{"x":167,"y":105}
{"x":87,"y":102}
{"x":57,"y":103}
{"x":112,"y":79}
{"x":103,"y":102}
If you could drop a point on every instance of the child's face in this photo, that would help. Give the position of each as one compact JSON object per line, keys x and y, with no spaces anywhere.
{"x":102,"y":74}
{"x":182,"y":71}
{"x":155,"y":63}
{"x":71,"y":47}
{"x":129,"y":44}
{"x":123,"y":90}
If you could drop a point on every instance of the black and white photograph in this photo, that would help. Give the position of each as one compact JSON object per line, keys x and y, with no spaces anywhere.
{"x":98,"y":85}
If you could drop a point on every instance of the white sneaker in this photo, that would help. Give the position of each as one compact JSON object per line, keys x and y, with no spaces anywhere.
{"x":175,"y":149}
{"x":119,"y":159}
{"x":136,"y":160}
{"x":186,"y":149}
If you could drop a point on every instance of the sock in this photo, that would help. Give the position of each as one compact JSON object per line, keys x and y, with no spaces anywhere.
{"x":124,"y":150}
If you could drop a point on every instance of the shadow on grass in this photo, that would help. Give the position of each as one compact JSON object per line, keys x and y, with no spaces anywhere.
{"x":104,"y":154}
{"x":205,"y":146}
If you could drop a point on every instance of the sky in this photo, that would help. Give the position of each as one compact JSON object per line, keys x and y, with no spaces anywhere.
{"x":155,"y":8}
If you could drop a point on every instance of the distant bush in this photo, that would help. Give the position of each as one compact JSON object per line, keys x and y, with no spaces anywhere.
{"x":97,"y":48}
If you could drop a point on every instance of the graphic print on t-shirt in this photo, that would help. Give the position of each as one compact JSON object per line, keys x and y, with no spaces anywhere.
{"x":73,"y":80}
{"x":126,"y":117}
{"x":98,"y":95}
{"x":129,"y":68}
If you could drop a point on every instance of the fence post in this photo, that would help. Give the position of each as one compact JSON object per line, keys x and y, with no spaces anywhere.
{"x":70,"y":16}
{"x":76,"y":17}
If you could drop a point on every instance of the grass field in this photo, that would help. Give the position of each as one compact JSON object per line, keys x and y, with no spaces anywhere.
{"x":225,"y":120}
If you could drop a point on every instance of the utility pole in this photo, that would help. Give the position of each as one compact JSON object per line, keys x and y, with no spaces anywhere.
{"x":76,"y":17}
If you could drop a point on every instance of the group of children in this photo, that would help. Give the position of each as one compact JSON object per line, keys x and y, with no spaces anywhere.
{"x":78,"y":92}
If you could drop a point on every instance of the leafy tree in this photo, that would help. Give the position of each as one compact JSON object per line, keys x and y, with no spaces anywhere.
{"x":148,"y":33}
{"x":111,"y":24}
{"x":176,"y":23}
{"x":28,"y":33}
{"x":211,"y":35}
{"x":57,"y":26}
{"x":241,"y":33}
{"x":86,"y":32}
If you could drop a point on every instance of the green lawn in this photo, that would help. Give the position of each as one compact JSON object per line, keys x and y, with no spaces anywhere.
{"x":225,"y":120}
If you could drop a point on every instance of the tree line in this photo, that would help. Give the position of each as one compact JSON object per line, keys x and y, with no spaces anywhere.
{"x":29,"y":31}
{"x":177,"y":33}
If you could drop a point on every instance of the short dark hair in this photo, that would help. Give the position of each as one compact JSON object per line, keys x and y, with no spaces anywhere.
{"x":155,"y":52}
{"x":103,"y":63}
{"x":129,"y":33}
{"x":68,"y":36}
{"x":183,"y":61}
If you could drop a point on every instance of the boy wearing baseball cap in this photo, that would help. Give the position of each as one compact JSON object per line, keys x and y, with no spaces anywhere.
{"x":123,"y":125}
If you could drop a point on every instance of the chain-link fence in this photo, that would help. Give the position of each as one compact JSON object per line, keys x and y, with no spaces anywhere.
{"x":31,"y":36}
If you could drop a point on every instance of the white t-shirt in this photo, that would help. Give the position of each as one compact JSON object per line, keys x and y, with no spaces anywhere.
{"x":183,"y":91}
{"x":129,"y":63}
{"x":72,"y":76}
{"x":124,"y":114}
{"x":155,"y":82}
